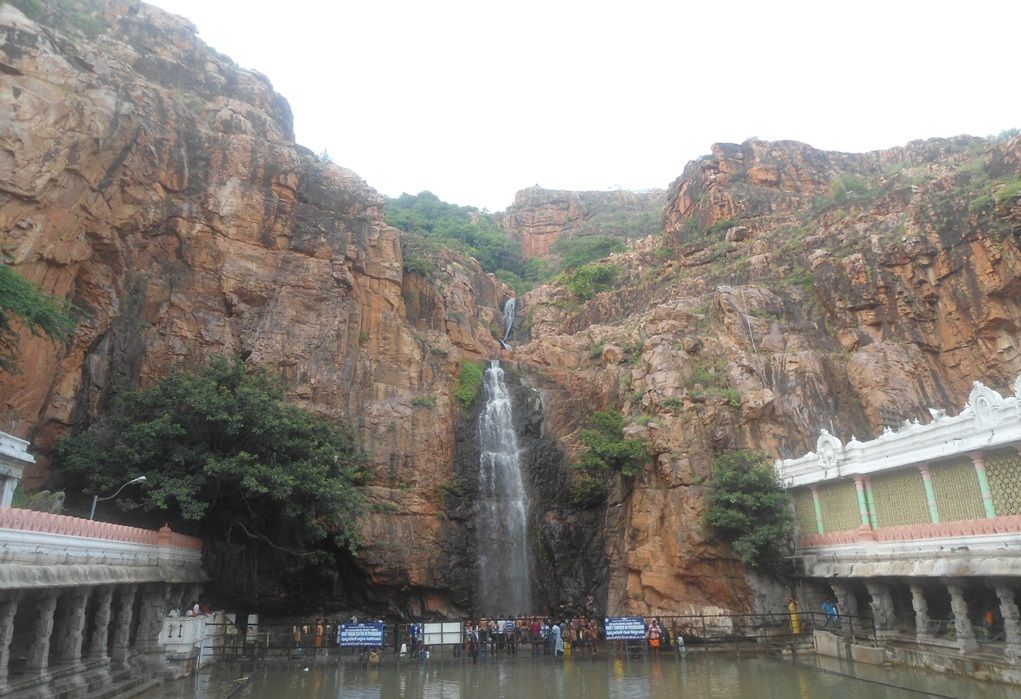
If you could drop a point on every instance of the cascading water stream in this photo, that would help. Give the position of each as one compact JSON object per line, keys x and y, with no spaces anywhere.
{"x":509,"y":307}
{"x":504,"y":576}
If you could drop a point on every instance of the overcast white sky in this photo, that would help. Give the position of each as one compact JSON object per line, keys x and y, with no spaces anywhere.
{"x":475,"y":100}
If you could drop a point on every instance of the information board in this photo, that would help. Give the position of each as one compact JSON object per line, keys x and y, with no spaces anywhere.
{"x":438,"y":634}
{"x":625,"y":628}
{"x":359,"y":635}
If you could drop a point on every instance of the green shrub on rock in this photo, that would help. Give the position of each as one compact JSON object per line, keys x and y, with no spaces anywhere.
{"x":748,"y":508}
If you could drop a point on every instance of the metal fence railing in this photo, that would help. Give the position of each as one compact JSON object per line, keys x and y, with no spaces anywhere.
{"x":582,"y":637}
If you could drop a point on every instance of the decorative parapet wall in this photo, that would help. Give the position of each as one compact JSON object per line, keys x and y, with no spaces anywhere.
{"x":952,"y":479}
{"x":988,"y":421}
{"x":38,"y":549}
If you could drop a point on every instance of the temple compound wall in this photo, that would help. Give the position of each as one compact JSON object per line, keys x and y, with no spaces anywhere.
{"x":83,"y":603}
{"x":919,"y":529}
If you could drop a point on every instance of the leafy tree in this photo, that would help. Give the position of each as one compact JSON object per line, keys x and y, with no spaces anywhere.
{"x":609,"y":450}
{"x":21,"y":299}
{"x":606,"y":452}
{"x":748,"y":508}
{"x":575,"y":252}
{"x":463,"y":229}
{"x":225,"y":457}
{"x":588,"y":280}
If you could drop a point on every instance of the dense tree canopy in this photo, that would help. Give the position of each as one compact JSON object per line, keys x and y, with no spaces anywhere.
{"x":463,"y":229}
{"x":575,"y":252}
{"x":225,"y":457}
{"x":21,"y":299}
{"x":606,"y":452}
{"x":748,"y":507}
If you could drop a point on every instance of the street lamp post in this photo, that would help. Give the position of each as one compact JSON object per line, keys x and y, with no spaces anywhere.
{"x":96,"y":498}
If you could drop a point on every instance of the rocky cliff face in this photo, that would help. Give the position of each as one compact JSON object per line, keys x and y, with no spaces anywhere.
{"x":539,"y":216}
{"x":793,"y":290}
{"x":158,"y":186}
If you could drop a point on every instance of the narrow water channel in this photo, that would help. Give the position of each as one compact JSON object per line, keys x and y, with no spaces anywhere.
{"x":697,"y":675}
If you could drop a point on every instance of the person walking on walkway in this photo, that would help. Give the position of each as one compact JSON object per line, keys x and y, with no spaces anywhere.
{"x":792,"y":609}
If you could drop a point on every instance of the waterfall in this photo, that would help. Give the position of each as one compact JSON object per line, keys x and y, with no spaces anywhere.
{"x":508,"y":320}
{"x":502,"y":529}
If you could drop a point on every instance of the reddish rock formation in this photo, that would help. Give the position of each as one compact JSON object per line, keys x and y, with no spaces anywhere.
{"x":859,"y":291}
{"x":539,"y":216}
{"x":157,"y":186}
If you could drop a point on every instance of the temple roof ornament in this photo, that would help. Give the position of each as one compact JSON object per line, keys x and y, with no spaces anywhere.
{"x":987,"y":421}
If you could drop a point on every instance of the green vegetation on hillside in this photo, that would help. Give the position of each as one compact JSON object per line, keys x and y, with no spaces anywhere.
{"x":606,"y":452}
{"x":469,"y":381}
{"x":575,"y":252}
{"x":20,"y":299}
{"x":226,"y":458}
{"x":588,"y":280}
{"x":748,"y":508}
{"x":428,"y":224}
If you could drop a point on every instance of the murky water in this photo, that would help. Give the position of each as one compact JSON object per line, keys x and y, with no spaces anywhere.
{"x":696,"y":675}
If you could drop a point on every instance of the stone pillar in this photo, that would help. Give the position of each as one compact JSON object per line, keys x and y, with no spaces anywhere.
{"x":178,"y":599}
{"x":870,"y":500}
{"x":847,"y":605}
{"x":962,"y":623}
{"x":923,"y":632}
{"x":8,"y":609}
{"x":881,"y":602}
{"x":863,"y":508}
{"x":979,"y":459}
{"x":930,"y":494}
{"x":68,"y":633}
{"x":154,"y":609}
{"x":39,"y":651}
{"x":122,"y":618}
{"x":7,"y":488}
{"x":101,"y":622}
{"x":194,"y":592}
{"x":1011,"y":621}
{"x":818,"y":510}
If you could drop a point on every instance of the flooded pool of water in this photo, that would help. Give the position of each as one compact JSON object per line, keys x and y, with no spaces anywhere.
{"x":696,"y":675}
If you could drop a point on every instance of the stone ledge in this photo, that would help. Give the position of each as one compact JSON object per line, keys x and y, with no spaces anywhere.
{"x":19,"y":576}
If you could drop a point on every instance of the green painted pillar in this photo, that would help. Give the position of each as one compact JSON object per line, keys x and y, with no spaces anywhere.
{"x":818,"y":510}
{"x":930,"y":494}
{"x":870,"y":500}
{"x":863,"y":509}
{"x":979,"y":459}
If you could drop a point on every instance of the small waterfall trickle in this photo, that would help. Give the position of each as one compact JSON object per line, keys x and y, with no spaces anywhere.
{"x":509,"y":307}
{"x":504,"y":576}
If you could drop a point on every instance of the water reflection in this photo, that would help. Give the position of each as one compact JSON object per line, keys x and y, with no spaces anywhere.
{"x":621,"y":678}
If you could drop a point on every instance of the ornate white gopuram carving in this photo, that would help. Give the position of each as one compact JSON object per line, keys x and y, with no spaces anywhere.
{"x":988,"y":421}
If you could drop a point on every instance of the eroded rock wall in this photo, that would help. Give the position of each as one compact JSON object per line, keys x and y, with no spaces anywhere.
{"x":157,"y":186}
{"x":538,"y":217}
{"x":794,"y":290}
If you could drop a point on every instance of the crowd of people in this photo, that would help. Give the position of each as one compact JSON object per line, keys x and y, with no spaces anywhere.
{"x":537,"y":636}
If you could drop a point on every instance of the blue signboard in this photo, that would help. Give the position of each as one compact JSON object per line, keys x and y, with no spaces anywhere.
{"x":359,"y":635}
{"x":625,"y":628}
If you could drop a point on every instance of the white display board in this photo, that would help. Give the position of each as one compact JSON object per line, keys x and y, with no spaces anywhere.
{"x":440,"y":634}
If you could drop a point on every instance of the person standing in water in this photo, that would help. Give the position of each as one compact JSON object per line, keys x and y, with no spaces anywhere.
{"x":558,"y":639}
{"x":792,"y":609}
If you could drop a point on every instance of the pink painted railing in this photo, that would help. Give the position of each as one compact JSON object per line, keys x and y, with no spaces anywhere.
{"x":46,"y":523}
{"x":968,"y":527}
